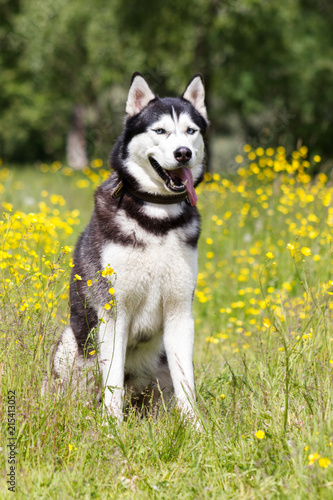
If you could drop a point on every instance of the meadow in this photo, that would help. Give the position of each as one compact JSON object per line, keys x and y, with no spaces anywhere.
{"x":263,"y":350}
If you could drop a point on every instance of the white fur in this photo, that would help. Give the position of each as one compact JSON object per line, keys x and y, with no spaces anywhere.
{"x":66,"y":353}
{"x":195,"y":93}
{"x":162,"y":147}
{"x":162,"y":211}
{"x":154,"y":294}
{"x":139,"y":95}
{"x":68,"y":364}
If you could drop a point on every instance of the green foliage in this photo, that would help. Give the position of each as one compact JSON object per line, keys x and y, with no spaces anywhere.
{"x":263,"y":348}
{"x":267,"y":67}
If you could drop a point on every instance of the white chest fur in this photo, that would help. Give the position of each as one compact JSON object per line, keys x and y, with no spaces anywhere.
{"x":155,"y":280}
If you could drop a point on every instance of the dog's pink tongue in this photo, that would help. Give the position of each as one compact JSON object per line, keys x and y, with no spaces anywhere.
{"x":185,"y":174}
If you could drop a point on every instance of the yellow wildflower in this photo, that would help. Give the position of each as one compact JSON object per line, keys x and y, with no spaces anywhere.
{"x":324,"y":462}
{"x":291,"y":249}
{"x":313,"y":457}
{"x":260,"y":434}
{"x":212,"y":340}
{"x":108,"y":271}
{"x":267,"y":322}
{"x":306,"y":251}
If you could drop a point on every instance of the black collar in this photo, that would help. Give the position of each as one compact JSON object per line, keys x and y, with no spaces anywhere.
{"x":121,"y":188}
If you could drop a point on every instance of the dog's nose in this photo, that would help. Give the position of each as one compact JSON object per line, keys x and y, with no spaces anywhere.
{"x":183,"y":155}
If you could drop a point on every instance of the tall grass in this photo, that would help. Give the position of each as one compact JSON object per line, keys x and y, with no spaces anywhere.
{"x":263,"y":351}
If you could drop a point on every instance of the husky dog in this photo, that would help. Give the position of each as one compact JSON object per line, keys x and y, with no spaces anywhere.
{"x":146,"y":227}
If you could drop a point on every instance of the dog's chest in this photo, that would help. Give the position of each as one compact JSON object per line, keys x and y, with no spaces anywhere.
{"x":153,"y":279}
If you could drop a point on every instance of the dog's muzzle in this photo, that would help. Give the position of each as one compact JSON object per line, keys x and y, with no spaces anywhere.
{"x":180,"y":179}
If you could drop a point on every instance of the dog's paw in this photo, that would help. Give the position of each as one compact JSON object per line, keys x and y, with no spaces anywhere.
{"x":191,"y":417}
{"x":112,"y":416}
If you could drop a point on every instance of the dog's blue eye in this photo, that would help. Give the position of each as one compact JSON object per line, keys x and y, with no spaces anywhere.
{"x":159,"y":131}
{"x":191,"y":131}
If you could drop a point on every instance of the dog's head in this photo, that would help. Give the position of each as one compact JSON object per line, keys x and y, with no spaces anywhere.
{"x":162,"y":147}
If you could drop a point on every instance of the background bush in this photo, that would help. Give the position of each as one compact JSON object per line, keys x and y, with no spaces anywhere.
{"x":267,"y":67}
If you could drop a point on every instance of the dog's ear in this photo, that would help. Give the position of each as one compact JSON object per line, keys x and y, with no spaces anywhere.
{"x":139,"y":95}
{"x":195,"y":93}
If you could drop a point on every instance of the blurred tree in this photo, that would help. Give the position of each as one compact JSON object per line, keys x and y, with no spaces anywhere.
{"x":267,"y":67}
{"x":19,"y":132}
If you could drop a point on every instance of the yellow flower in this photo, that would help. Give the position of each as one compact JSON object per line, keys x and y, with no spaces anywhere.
{"x":108,"y":271}
{"x":77,"y":277}
{"x":291,"y":249}
{"x":222,"y":396}
{"x":89,"y":283}
{"x":307,"y":336}
{"x":111,"y":290}
{"x":97,"y":163}
{"x":222,"y":335}
{"x":107,"y":307}
{"x":7,"y":206}
{"x":266,"y":322}
{"x":306,"y":251}
{"x":209,"y":241}
{"x":213,"y":340}
{"x":313,"y":457}
{"x":281,"y":348}
{"x":324,"y":462}
{"x":82,"y":183}
{"x":92,"y":353}
{"x":269,"y":255}
{"x":260,"y":434}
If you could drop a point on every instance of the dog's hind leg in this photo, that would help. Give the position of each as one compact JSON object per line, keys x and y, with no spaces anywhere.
{"x":113,"y":336}
{"x":66,"y":357}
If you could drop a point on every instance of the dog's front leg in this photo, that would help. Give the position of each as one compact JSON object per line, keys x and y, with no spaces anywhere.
{"x":112,"y":351}
{"x":178,"y":343}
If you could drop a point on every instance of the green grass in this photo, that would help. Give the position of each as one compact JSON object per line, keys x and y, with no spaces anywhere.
{"x":262,"y":351}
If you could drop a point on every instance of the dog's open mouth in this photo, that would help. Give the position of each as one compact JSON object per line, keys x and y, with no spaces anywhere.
{"x":178,"y":180}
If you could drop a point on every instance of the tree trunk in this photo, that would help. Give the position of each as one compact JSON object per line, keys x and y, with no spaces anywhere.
{"x":76,"y":149}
